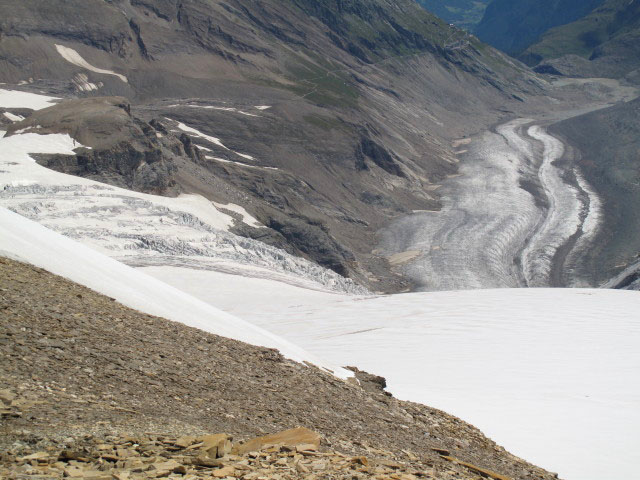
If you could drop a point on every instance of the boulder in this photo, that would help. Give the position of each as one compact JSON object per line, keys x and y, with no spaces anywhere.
{"x":216,"y":446}
{"x":288,"y":438}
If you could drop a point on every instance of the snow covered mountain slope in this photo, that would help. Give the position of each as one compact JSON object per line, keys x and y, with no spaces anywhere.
{"x":137,"y":228}
{"x":27,"y":241}
{"x":523,"y":365}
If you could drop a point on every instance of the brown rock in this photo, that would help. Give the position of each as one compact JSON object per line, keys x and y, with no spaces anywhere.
{"x":206,"y":461}
{"x":164,"y":469}
{"x":474,"y":468}
{"x":441,"y":451}
{"x":7,"y":396}
{"x":216,"y":446}
{"x":73,"y":472}
{"x":184,"y":442}
{"x":67,"y":455}
{"x":227,"y":471}
{"x":35,"y":456}
{"x":306,"y":447}
{"x":289,"y":438}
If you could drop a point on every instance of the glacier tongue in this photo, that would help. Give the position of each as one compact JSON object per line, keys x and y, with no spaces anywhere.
{"x":141,"y":229}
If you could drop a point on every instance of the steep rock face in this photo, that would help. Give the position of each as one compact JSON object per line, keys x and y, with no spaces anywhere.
{"x":122,"y":150}
{"x":513,"y":25}
{"x":604,"y":43}
{"x":358,"y":102}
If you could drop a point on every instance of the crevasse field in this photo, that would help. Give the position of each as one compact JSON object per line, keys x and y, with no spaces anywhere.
{"x":552,"y":375}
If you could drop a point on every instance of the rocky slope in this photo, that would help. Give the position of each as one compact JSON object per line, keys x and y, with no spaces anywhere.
{"x":86,"y":375}
{"x":605,"y":43}
{"x":512,"y":25}
{"x":324,"y":120}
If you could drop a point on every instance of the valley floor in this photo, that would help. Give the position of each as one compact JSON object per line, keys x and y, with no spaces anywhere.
{"x":511,"y":218}
{"x":517,"y":213}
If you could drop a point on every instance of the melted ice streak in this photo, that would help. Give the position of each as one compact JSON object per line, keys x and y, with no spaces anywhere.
{"x":567,"y":215}
{"x":71,"y":56}
{"x":209,"y":138}
{"x":491,"y":232}
{"x":140,"y":229}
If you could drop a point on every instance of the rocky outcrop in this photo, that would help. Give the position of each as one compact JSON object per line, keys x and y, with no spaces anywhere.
{"x":122,"y":150}
{"x":159,"y":456}
{"x":368,"y":149}
{"x":312,"y":239}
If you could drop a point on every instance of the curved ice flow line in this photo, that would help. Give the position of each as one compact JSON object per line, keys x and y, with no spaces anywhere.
{"x":485,"y":220}
{"x":490,"y":232}
{"x":563,"y":215}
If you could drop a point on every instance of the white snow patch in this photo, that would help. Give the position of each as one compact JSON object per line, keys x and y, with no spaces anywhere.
{"x":523,"y":365}
{"x":22,"y":183}
{"x":71,"y":56}
{"x":246,"y":216}
{"x":243,"y":155}
{"x":224,"y":160}
{"x":12,"y":117}
{"x":214,"y":140}
{"x":224,"y":109}
{"x":26,"y":129}
{"x":82,"y":83}
{"x":17,"y":99}
{"x":262,"y":107}
{"x":25,"y":240}
{"x":198,"y":133}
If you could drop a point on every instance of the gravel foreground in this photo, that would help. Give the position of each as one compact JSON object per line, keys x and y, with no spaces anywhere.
{"x":92,"y":389}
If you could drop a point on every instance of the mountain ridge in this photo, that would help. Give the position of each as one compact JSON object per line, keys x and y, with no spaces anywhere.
{"x":512,"y":26}
{"x":603,"y":43}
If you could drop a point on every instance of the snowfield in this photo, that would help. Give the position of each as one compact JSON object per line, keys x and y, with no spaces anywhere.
{"x":550,"y":374}
{"x":17,"y":99}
